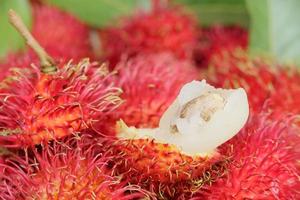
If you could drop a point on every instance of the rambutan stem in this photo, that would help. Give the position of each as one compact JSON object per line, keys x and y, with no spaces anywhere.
{"x":47,"y":63}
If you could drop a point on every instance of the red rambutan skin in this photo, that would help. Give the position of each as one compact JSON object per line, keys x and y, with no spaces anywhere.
{"x":37,"y":107}
{"x":233,"y":69}
{"x":61,"y":34}
{"x":270,"y":87}
{"x":216,"y":39}
{"x":147,"y":160}
{"x":163,"y":169}
{"x":286,"y":95}
{"x":150,"y":83}
{"x":265,"y":163}
{"x":20,"y":60}
{"x":63,"y":171}
{"x":160,"y":30}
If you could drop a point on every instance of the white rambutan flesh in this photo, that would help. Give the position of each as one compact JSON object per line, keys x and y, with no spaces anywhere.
{"x":199,"y":120}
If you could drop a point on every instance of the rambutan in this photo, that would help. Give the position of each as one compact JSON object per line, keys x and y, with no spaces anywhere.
{"x":61,"y":34}
{"x":19,"y":60}
{"x":150,"y":83}
{"x":265,"y":163}
{"x":217,"y":39}
{"x":63,"y":172}
{"x":160,"y":30}
{"x":286,"y":94}
{"x":182,"y":149}
{"x":39,"y":106}
{"x":271,"y":87}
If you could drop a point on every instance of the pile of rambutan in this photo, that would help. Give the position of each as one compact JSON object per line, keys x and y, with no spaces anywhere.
{"x":172,"y":111}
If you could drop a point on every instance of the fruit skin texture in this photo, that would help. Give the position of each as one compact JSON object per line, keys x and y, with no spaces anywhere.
{"x":160,"y":162}
{"x":217,"y":39}
{"x":150,"y":83}
{"x":270,"y":86}
{"x":265,"y":163}
{"x":161,"y":30}
{"x":61,"y":34}
{"x":18,"y":59}
{"x":37,"y":107}
{"x":286,"y":96}
{"x":162,"y":168}
{"x":66,"y":172}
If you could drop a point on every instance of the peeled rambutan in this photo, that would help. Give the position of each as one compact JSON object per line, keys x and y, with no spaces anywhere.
{"x":150,"y":83}
{"x":181,"y":152}
{"x":42,"y":105}
{"x":61,"y":171}
{"x":217,"y":39}
{"x":264,"y":163}
{"x":160,"y":30}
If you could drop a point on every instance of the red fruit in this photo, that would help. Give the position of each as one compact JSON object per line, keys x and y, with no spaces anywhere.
{"x":161,"y":30}
{"x":37,"y":107}
{"x":232,"y":69}
{"x":217,"y":39}
{"x":163,"y":168}
{"x":269,"y":86}
{"x":265,"y":163}
{"x":62,"y":35}
{"x":286,"y":92}
{"x":14,"y":60}
{"x":63,"y":172}
{"x":150,"y":83}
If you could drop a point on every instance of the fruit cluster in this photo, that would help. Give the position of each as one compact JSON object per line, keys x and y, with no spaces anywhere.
{"x":135,"y":121}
